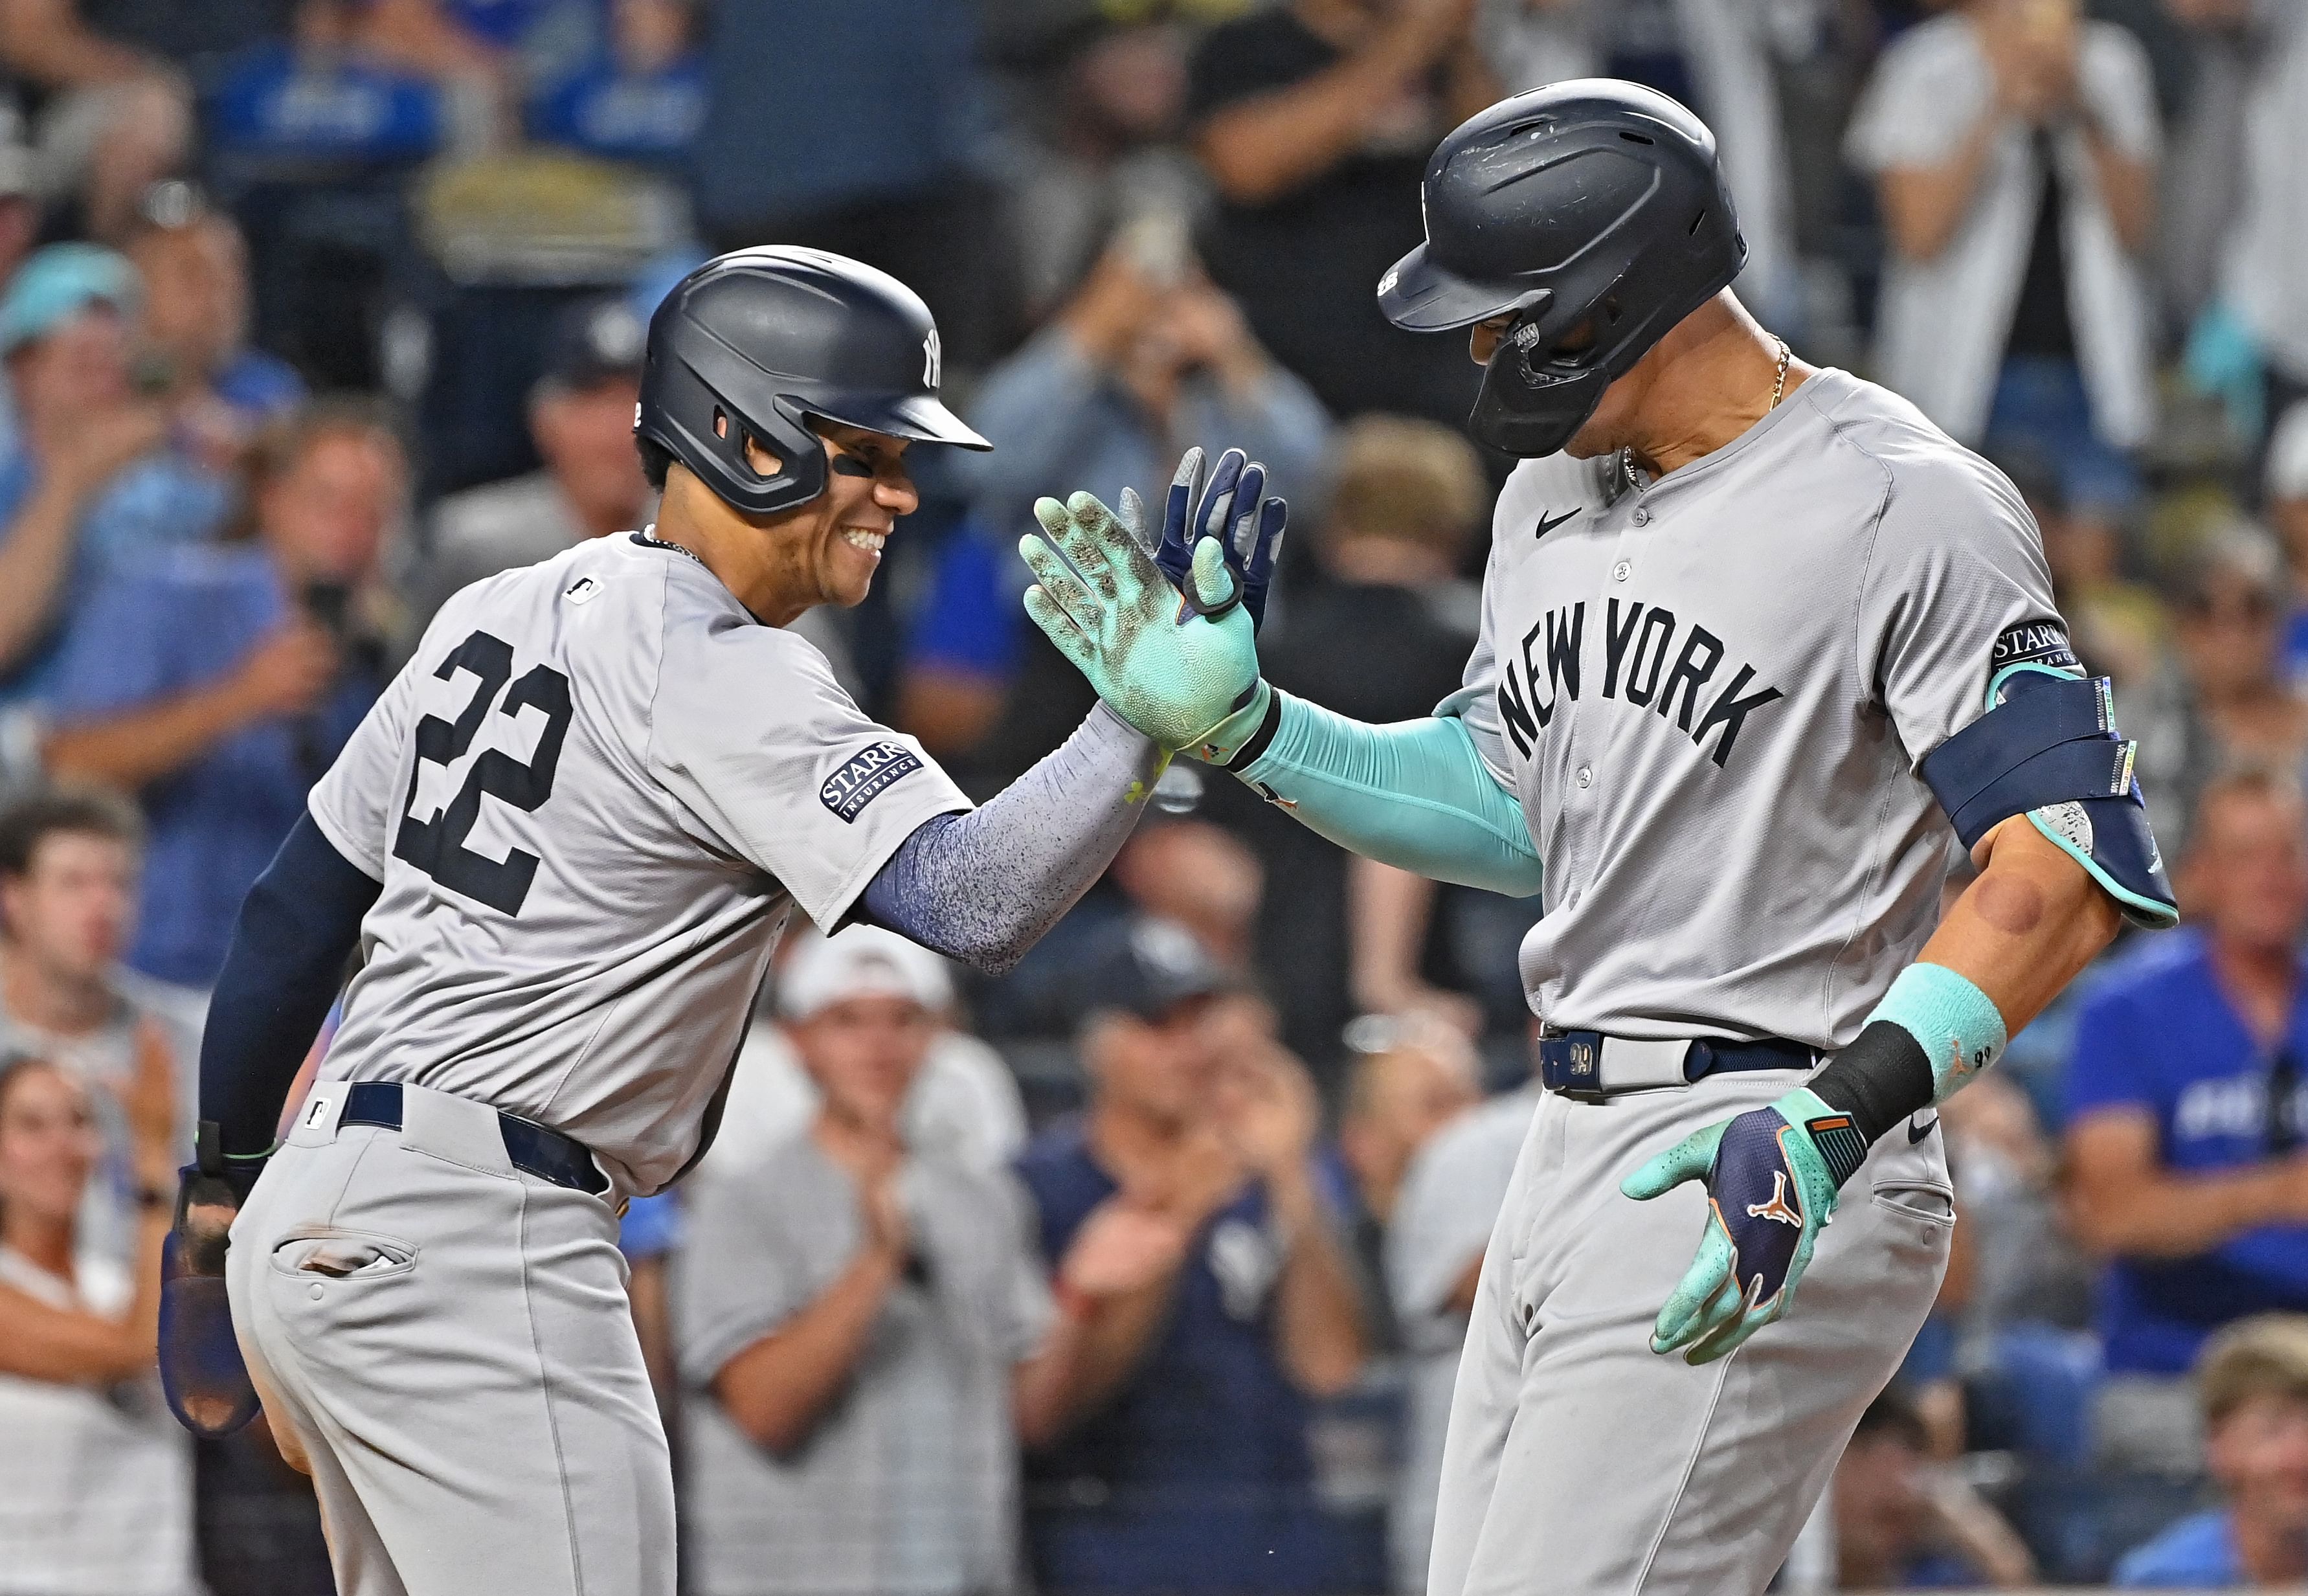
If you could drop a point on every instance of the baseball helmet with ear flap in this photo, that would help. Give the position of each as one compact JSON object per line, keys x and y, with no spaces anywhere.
{"x":1591,"y":203}
{"x":760,"y":342}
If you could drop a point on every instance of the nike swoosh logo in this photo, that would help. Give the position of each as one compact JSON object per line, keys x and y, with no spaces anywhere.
{"x":1547,"y":524}
{"x":1915,"y":1135}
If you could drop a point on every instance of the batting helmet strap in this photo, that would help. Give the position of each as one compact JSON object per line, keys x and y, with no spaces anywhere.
{"x":756,"y":344}
{"x":1591,"y":204}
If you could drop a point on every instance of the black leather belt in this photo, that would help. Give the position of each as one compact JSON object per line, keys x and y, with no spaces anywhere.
{"x":547,"y":1154}
{"x":1590,"y":1067}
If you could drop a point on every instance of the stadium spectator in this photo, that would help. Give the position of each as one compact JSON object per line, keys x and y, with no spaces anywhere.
{"x":581,"y":415}
{"x":1144,"y":360}
{"x":86,"y":484}
{"x":963,"y":1104}
{"x":1713,"y":56}
{"x":1903,"y":1524}
{"x":68,"y":870}
{"x":2185,"y":1131}
{"x":1418,"y":1078}
{"x":866,"y":1329}
{"x":1382,"y":634}
{"x":1192,"y":1475}
{"x":1099,"y":153}
{"x":193,"y":264}
{"x":315,"y":98}
{"x":2253,"y":1388}
{"x":2120,"y":627}
{"x":1451,"y":1194}
{"x":1194,"y":875}
{"x":218,"y":682}
{"x":2225,"y":694}
{"x":640,"y":96}
{"x":2013,"y":144}
{"x":1315,"y":120}
{"x":96,"y":1482}
{"x":20,"y":218}
{"x":2251,"y":344}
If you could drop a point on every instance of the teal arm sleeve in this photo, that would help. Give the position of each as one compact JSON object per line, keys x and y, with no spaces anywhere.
{"x":1415,"y":794}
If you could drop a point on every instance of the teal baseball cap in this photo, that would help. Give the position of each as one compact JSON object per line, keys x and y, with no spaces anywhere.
{"x":58,"y":283}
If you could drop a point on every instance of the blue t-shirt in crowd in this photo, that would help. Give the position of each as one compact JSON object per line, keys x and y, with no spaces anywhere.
{"x":259,"y":385}
{"x":2157,"y":1033}
{"x":1196,"y":1476}
{"x":181,"y":620}
{"x":2197,"y":1554}
{"x":156,"y":503}
{"x":608,"y":113}
{"x":271,"y":101}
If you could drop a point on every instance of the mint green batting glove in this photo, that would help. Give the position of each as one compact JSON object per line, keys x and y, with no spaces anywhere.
{"x":1772,"y":1176}
{"x":1176,"y":676}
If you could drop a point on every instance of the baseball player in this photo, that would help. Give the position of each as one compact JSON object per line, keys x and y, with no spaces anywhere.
{"x":1759,"y":645}
{"x":564,"y":841}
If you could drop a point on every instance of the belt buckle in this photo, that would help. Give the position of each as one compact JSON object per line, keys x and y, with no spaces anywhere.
{"x":1581,"y":1059}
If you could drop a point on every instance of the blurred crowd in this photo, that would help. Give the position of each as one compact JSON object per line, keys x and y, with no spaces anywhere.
{"x":1145,"y":1268}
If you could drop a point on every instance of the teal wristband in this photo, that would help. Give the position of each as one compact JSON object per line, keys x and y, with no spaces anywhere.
{"x":1958,"y":1025}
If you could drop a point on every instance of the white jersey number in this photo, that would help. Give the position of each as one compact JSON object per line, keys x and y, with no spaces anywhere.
{"x":437,"y":846}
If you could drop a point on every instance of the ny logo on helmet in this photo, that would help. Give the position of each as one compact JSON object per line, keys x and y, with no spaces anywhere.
{"x":933,"y":361}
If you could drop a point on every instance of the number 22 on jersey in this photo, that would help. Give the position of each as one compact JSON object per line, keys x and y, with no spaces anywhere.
{"x":437,"y":846}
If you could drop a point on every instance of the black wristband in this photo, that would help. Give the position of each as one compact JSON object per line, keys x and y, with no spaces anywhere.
{"x":1255,"y":743}
{"x":1879,"y":1080}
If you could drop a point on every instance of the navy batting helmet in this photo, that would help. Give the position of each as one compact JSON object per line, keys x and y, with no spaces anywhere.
{"x":758,"y":343}
{"x":1590,"y":201}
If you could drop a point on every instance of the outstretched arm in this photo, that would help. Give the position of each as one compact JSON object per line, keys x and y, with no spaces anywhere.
{"x":984,"y":886}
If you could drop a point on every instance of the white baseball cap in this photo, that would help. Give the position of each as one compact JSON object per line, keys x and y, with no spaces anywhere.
{"x":2287,"y":455}
{"x":862,"y":962}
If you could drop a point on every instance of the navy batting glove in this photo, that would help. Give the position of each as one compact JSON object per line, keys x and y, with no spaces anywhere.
{"x":1230,"y":507}
{"x":1772,"y":1176}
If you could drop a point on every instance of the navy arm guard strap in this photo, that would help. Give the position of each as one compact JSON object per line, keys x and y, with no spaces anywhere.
{"x":2047,"y":748}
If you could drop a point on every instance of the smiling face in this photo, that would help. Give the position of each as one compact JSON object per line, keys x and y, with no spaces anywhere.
{"x":823,"y":552}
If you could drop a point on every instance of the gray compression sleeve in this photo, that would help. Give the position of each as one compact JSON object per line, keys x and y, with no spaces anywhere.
{"x":983,"y":886}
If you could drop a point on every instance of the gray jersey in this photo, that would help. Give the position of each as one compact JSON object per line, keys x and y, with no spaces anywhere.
{"x":591,"y":796}
{"x":1712,"y":695}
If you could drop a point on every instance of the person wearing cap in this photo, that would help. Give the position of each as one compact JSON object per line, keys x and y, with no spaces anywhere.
{"x":580,"y":417}
{"x":193,"y":262}
{"x":865,"y":1335}
{"x":1194,"y":1474}
{"x":964,"y":1101}
{"x":86,"y":482}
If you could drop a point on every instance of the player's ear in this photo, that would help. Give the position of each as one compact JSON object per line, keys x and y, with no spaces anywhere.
{"x":763,"y":462}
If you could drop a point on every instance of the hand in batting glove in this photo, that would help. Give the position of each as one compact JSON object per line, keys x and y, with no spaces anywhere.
{"x":1230,"y":510}
{"x":201,"y":1375}
{"x":1170,"y":672}
{"x":1772,"y":1177}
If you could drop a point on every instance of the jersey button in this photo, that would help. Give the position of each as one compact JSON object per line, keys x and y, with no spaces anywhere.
{"x":1586,"y":775}
{"x":1642,"y":517}
{"x":1623,"y":570}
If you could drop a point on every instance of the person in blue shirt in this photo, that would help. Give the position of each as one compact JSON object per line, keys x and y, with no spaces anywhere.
{"x":194,"y":266}
{"x":2186,"y":1092}
{"x":93,"y":476}
{"x":218,"y":682}
{"x":642,"y":99}
{"x":1192,"y":1472}
{"x":2253,"y":1386}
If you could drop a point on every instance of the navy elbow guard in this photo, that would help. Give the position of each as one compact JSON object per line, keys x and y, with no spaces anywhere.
{"x":2047,"y":748}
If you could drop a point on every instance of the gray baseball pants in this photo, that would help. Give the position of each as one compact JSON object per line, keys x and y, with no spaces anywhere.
{"x":1581,"y":1463}
{"x":447,"y":1341}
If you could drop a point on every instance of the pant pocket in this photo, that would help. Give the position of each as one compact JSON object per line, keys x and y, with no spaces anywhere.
{"x":1918,"y":1200}
{"x":342,"y":1254}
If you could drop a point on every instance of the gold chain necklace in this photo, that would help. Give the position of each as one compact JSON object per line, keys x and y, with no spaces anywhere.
{"x":1778,"y":392}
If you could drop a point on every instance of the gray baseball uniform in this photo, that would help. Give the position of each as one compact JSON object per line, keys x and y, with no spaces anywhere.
{"x":447,"y":1338}
{"x":1711,"y":694}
